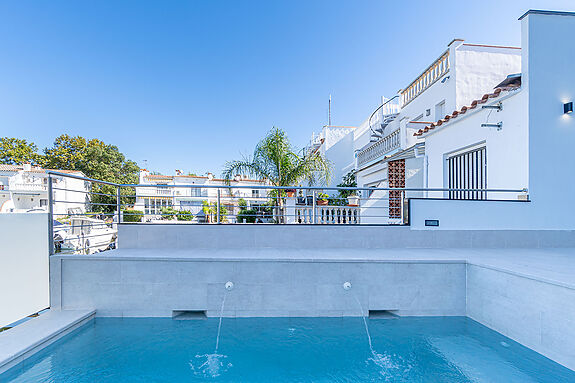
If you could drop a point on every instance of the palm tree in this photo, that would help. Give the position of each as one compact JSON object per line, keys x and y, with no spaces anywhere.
{"x":275,"y":160}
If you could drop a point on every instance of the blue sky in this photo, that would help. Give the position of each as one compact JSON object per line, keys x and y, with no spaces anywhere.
{"x":191,"y":84}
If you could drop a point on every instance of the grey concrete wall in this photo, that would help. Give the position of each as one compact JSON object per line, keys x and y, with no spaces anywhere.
{"x":537,"y":314}
{"x":139,"y":287}
{"x":157,"y":236}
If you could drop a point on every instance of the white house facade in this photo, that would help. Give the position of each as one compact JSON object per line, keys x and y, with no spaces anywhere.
{"x":483,"y":145}
{"x":335,"y":143}
{"x":24,"y":188}
{"x":169,"y":191}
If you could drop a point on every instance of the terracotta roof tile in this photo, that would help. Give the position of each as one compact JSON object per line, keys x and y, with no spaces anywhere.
{"x":496,"y":93}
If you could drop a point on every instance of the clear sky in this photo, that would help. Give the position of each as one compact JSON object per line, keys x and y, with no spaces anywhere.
{"x":191,"y":84}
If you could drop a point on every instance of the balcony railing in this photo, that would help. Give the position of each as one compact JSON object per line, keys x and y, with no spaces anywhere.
{"x":163,"y":191}
{"x":429,"y":76}
{"x":29,"y":187}
{"x":379,"y":148}
{"x":327,"y":215}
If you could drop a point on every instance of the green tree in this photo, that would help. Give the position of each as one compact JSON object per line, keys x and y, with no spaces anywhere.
{"x":349,"y":180}
{"x":97,"y":160}
{"x":67,"y":153}
{"x":210,"y":210}
{"x":16,"y":151}
{"x":275,"y":160}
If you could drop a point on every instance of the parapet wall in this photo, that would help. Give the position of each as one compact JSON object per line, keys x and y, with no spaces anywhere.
{"x":182,"y":236}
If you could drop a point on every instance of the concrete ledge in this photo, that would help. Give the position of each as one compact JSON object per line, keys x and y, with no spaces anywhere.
{"x":254,"y":237}
{"x":24,"y":340}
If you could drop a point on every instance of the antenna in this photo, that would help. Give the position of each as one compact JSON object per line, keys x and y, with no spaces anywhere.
{"x":329,"y":112}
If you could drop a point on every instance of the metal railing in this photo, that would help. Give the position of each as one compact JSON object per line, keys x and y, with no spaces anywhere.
{"x":89,"y":224}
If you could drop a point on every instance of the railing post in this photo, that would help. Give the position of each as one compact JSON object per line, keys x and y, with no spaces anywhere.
{"x":402,"y":207}
{"x":50,"y":217}
{"x":218,"y":207}
{"x":118,"y":204}
{"x":313,"y":214}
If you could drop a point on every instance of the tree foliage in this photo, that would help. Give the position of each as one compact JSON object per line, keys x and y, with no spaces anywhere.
{"x":93,"y":157}
{"x":97,"y":160}
{"x":16,"y":151}
{"x":275,"y":160}
{"x":210,"y":211}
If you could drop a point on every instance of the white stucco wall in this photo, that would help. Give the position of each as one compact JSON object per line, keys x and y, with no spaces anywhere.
{"x":548,"y":80}
{"x":480,"y":68}
{"x":23,"y":265}
{"x":338,"y":149}
{"x":507,"y":149}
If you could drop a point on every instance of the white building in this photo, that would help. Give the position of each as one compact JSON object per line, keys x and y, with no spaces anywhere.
{"x":463,"y":72}
{"x":171,"y":192}
{"x":335,"y":143}
{"x":483,"y":145}
{"x":24,"y":188}
{"x":386,"y":153}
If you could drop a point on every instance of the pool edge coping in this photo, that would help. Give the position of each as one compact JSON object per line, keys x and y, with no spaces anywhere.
{"x":30,"y":348}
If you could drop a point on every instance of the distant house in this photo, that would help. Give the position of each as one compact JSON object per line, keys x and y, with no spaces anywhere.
{"x":334,"y":143}
{"x":24,"y":188}
{"x":169,"y":191}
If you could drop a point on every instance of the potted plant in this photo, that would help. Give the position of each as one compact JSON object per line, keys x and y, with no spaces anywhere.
{"x":290,"y":192}
{"x":353,"y":199}
{"x":321,"y":199}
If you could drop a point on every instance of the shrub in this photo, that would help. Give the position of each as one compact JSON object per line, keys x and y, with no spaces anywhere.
{"x":133,"y":215}
{"x":168,"y":213}
{"x":248,"y":214}
{"x":242,"y":203}
{"x":184,"y":215}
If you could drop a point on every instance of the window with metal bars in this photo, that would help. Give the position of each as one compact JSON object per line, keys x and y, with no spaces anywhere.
{"x":468,"y":171}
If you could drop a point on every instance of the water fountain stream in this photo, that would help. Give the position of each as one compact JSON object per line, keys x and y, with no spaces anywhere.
{"x":382,"y":361}
{"x":212,"y":365}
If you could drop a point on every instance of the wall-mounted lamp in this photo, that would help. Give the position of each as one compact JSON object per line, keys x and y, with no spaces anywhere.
{"x":568,"y":107}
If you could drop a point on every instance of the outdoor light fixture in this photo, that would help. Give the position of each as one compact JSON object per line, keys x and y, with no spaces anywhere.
{"x":568,"y":107}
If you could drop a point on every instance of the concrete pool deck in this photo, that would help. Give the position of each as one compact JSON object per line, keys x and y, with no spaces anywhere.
{"x":22,"y":341}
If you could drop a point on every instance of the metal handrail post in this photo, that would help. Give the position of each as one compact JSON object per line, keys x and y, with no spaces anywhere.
{"x":50,"y":217}
{"x":313,"y":208}
{"x":118,"y":204}
{"x":402,"y":206}
{"x":218,"y":207}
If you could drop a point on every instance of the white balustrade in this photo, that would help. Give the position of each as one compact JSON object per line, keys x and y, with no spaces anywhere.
{"x":379,"y":148}
{"x":29,"y":187}
{"x":328,"y":215}
{"x":433,"y":73}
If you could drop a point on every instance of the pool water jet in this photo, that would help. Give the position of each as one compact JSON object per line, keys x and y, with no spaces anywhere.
{"x":382,"y":361}
{"x":213,"y":365}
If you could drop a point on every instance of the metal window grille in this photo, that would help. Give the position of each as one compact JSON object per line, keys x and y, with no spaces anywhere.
{"x":468,"y":171}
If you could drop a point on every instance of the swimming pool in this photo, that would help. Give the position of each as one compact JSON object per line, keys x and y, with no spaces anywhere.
{"x":444,"y":349}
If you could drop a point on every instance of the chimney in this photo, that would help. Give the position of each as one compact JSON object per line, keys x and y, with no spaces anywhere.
{"x":210,"y":176}
{"x":27,"y":167}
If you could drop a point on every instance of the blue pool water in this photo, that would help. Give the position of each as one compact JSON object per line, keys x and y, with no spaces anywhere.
{"x":287,"y":350}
